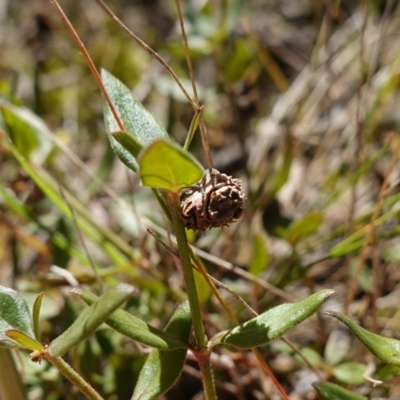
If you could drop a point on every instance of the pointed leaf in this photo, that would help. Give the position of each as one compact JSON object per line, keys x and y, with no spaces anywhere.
{"x":135,"y":328}
{"x":90,"y":319}
{"x":165,"y":165}
{"x":128,"y":142}
{"x":14,"y":314}
{"x":22,"y":134}
{"x":162,"y":368}
{"x":260,"y":257}
{"x":303,"y":227}
{"x":27,"y":131}
{"x":137,"y":121}
{"x":351,"y":373}
{"x":24,"y":340}
{"x":386,"y":349}
{"x":330,"y":391}
{"x":203,"y":289}
{"x":273,"y":323}
{"x":35,"y":315}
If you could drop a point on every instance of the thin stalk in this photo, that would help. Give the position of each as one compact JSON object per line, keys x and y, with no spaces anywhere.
{"x":370,"y":228}
{"x":90,"y":64}
{"x":268,"y":371}
{"x":73,"y":377}
{"x":184,"y":254}
{"x":11,"y":386}
{"x":203,"y":357}
{"x":147,"y":48}
{"x":203,"y":128}
{"x":233,"y":318}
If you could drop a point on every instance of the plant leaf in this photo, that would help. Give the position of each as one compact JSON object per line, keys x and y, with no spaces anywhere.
{"x":22,"y":134}
{"x":165,"y":165}
{"x":28,"y":132}
{"x":162,"y":368}
{"x":24,"y":340}
{"x":273,"y":323}
{"x":137,"y":121}
{"x":135,"y":328}
{"x":35,"y":315}
{"x":128,"y":142}
{"x":14,"y":314}
{"x":351,"y":373}
{"x":90,"y":319}
{"x":259,"y":257}
{"x":303,"y":227}
{"x":330,"y":391}
{"x":386,"y":349}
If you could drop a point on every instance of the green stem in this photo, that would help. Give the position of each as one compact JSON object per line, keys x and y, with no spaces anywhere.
{"x":73,"y":377}
{"x":184,"y":254}
{"x":203,"y":357}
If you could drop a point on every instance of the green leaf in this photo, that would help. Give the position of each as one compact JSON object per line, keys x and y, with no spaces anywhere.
{"x":137,"y":121}
{"x":386,"y":349}
{"x":192,"y":129}
{"x":162,"y":368}
{"x":22,"y":135}
{"x":259,"y":257}
{"x":128,"y":142}
{"x":203,"y":290}
{"x":24,"y":340}
{"x":135,"y":328}
{"x":330,"y":391}
{"x":90,"y":319}
{"x":14,"y":314}
{"x":344,"y":248}
{"x":303,"y":227}
{"x":279,"y":174}
{"x":165,"y":165}
{"x":35,"y":315}
{"x":28,"y":132}
{"x":351,"y":373}
{"x":273,"y":323}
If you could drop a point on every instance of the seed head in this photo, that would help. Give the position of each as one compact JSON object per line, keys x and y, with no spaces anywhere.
{"x":216,"y":200}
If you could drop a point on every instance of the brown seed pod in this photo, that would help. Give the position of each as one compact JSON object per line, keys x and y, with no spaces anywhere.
{"x":216,"y":200}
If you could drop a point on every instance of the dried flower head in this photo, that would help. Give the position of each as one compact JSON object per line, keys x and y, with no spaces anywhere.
{"x":216,"y":200}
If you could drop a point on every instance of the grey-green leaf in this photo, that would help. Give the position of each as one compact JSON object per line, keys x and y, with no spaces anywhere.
{"x":351,"y":373}
{"x":90,"y":319}
{"x":135,"y":328}
{"x":273,"y":323}
{"x":14,"y":314}
{"x":331,"y":391}
{"x":137,"y":121}
{"x":128,"y":142}
{"x":386,"y":349}
{"x":162,"y":368}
